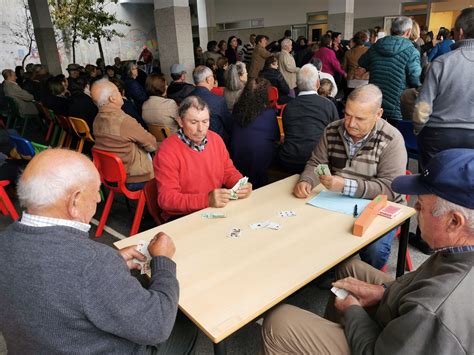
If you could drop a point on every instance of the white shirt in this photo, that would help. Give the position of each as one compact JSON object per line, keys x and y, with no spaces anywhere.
{"x":41,"y":221}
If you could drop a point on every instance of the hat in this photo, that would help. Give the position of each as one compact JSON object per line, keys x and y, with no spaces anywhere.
{"x":177,"y":69}
{"x":449,"y":175}
{"x":72,"y":67}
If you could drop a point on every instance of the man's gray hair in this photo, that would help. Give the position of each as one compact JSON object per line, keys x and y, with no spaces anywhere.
{"x":400,"y":25}
{"x":443,"y":206}
{"x":200,"y":73}
{"x":308,"y":78}
{"x":286,"y":43}
{"x":189,"y":102}
{"x":367,"y":93}
{"x":50,"y":185}
{"x":104,"y":94}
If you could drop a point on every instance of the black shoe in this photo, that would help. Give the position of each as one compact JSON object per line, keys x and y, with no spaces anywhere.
{"x":420,"y":244}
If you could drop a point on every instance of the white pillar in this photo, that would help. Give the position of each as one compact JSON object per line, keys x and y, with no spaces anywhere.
{"x":341,"y":17}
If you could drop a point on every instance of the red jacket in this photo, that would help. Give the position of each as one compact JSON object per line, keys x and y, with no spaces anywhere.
{"x":330,"y":62}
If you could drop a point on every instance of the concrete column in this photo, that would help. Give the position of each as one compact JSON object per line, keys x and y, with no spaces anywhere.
{"x":174,"y":34}
{"x":44,"y":35}
{"x":206,"y":21}
{"x":341,"y":17}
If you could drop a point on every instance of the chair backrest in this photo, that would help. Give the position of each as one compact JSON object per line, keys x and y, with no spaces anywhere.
{"x":81,"y":128}
{"x":23,"y":146}
{"x":39,"y":147}
{"x":151,"y":194}
{"x":218,"y":90}
{"x":111,"y":169}
{"x":406,"y":129}
{"x":273,"y":96}
{"x":48,"y":114}
{"x":160,"y":132}
{"x":12,"y":105}
{"x":64,"y":123}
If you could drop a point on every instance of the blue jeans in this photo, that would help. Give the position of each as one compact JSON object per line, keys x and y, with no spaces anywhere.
{"x":377,"y":253}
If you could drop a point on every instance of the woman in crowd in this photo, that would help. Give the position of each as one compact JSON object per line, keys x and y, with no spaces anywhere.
{"x":273,"y":75}
{"x":80,"y":102}
{"x":222,"y":47}
{"x":328,"y":57}
{"x":222,"y":64}
{"x":351,"y":63}
{"x":301,"y":50}
{"x":211,"y":52}
{"x":442,"y":44}
{"x":158,"y":109}
{"x":133,"y":89}
{"x":57,"y":100}
{"x":254,"y":133}
{"x":235,"y":80}
{"x":231,"y":52}
{"x":110,"y":71}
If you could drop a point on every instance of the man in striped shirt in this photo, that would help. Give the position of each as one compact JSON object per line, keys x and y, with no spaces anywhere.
{"x":248,"y":50}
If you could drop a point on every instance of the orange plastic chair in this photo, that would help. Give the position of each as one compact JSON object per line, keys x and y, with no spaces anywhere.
{"x":280,"y":124}
{"x":218,"y":90}
{"x":151,"y":194}
{"x":65,"y":139}
{"x":160,"y":132}
{"x":81,"y":128}
{"x":6,"y":205}
{"x":111,"y":170}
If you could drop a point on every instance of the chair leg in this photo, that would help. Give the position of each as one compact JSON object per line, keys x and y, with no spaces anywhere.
{"x":8,"y":204}
{"x":138,"y":214}
{"x":50,"y":130}
{"x":3,"y":209}
{"x":409,"y":265}
{"x":80,"y":145}
{"x":105,"y":214}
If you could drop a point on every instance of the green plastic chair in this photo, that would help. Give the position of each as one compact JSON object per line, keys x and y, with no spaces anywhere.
{"x":13,"y":107}
{"x":39,"y":147}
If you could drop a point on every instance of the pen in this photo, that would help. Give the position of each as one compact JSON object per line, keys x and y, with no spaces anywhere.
{"x":355,"y":211}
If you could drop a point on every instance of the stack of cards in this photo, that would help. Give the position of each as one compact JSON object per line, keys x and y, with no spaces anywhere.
{"x":340,"y":292}
{"x":142,"y":247}
{"x":213,"y":215}
{"x":287,"y":213}
{"x":322,"y":169}
{"x":237,"y":186}
{"x":265,"y":224}
{"x":390,"y":211}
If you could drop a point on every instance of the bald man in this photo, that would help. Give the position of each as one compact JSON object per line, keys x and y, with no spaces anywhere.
{"x":118,"y":133}
{"x":364,"y":154}
{"x":62,"y":292}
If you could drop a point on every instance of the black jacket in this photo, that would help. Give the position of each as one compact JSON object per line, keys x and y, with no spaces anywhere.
{"x":179,"y":90}
{"x":277,"y":80}
{"x":82,"y":106}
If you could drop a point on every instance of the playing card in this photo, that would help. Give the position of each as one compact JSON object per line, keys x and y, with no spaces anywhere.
{"x":340,"y":292}
{"x":234,"y":233}
{"x":287,"y":213}
{"x":142,"y":247}
{"x":258,"y":225}
{"x":322,"y":169}
{"x":273,"y":225}
{"x":213,"y":215}
{"x":237,"y":186}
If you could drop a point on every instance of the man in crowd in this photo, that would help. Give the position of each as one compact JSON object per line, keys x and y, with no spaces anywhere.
{"x":118,"y":133}
{"x":23,"y":98}
{"x":304,"y":121}
{"x":75,"y":295}
{"x":74,"y":71}
{"x":443,"y":114}
{"x":179,"y":87}
{"x":394,"y":64}
{"x":364,"y":154}
{"x":248,"y":51}
{"x":193,"y":165}
{"x":259,"y":55}
{"x":428,"y":311}
{"x":287,"y":65}
{"x":221,"y":119}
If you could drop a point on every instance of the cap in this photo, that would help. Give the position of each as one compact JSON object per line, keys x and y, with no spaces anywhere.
{"x":177,"y":69}
{"x":72,"y":67}
{"x":449,"y":175}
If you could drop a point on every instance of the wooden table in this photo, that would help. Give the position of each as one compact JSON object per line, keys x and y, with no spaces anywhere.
{"x":225,"y":282}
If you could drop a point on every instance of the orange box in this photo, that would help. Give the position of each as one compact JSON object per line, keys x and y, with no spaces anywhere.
{"x":363,"y":222}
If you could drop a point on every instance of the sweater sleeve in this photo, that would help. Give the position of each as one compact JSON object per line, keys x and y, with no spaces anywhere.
{"x":170,"y":196}
{"x":415,"y":331}
{"x":318,"y":156}
{"x":133,"y":131}
{"x":116,"y":303}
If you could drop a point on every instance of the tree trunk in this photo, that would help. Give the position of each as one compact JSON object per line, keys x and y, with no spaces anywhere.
{"x":27,"y":55}
{"x":101,"y":51}
{"x":74,"y":49}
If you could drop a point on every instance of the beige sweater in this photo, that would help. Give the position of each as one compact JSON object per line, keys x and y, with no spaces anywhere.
{"x":161,"y":111}
{"x":288,"y":68}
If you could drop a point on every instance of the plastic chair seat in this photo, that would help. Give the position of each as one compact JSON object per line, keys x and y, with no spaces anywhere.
{"x":160,"y":132}
{"x":112,"y":170}
{"x":6,"y":205}
{"x":23,"y":146}
{"x":82,"y":130}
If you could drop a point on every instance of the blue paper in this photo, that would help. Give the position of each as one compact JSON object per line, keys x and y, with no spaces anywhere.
{"x":337,"y":202}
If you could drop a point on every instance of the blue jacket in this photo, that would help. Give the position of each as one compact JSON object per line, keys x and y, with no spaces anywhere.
{"x":221,"y":119}
{"x":440,"y":49}
{"x":394,"y":65}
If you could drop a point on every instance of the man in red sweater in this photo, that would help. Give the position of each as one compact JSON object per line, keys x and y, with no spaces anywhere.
{"x":193,"y":165}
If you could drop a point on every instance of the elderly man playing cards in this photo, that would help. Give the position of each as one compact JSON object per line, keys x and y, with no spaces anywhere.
{"x":63,"y":293}
{"x":364,"y":154}
{"x":193,"y":169}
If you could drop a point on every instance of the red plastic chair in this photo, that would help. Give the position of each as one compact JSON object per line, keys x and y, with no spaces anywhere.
{"x":6,"y":205}
{"x":151,"y":194}
{"x":218,"y":90}
{"x":273,"y":99}
{"x":111,"y":170}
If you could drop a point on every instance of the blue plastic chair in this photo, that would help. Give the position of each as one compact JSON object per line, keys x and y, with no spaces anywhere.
{"x":23,"y":146}
{"x":411,"y":142}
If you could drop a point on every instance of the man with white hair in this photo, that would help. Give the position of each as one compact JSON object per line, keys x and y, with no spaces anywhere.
{"x":221,"y":119}
{"x":63,"y":293}
{"x":428,"y":311}
{"x":287,"y":65}
{"x":394,"y":65}
{"x":23,"y":98}
{"x":118,"y":133}
{"x":304,"y":120}
{"x":364,"y":154}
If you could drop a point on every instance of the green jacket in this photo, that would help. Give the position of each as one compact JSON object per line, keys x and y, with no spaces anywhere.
{"x":394,"y":65}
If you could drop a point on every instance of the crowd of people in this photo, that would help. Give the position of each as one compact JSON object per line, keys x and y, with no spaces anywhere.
{"x":339,"y":103}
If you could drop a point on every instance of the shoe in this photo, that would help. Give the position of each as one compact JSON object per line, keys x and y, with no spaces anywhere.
{"x":420,"y":244}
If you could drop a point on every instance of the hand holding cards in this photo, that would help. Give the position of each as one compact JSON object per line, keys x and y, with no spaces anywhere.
{"x":340,"y":292}
{"x":322,"y":169}
{"x":237,"y":186}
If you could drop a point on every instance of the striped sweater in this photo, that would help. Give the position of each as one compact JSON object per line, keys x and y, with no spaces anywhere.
{"x":382,"y":158}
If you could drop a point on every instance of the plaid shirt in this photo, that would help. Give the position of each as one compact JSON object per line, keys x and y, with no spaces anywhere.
{"x":190,"y":143}
{"x":454,"y":250}
{"x":350,"y":185}
{"x":41,"y":221}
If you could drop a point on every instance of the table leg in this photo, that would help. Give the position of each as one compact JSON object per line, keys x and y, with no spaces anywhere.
{"x":220,"y":348}
{"x":402,"y":247}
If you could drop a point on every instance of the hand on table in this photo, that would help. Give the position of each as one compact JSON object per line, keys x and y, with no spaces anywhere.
{"x":129,"y":253}
{"x":244,"y":191}
{"x":162,"y":245}
{"x":302,"y":189}
{"x":366,"y":294}
{"x":219,"y":198}
{"x":332,"y":183}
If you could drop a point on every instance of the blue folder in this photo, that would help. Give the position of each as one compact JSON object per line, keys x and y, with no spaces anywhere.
{"x":337,"y":202}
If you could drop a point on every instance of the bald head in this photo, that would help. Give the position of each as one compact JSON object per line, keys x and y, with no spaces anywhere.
{"x":57,"y":182}
{"x":105,"y":93}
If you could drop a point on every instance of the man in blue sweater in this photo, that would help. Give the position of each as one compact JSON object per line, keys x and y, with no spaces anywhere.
{"x":62,"y":293}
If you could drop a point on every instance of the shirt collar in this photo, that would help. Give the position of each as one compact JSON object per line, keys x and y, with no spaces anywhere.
{"x":349,"y":139}
{"x":190,"y":143}
{"x":42,"y":221}
{"x":308,"y":92}
{"x":455,"y":250}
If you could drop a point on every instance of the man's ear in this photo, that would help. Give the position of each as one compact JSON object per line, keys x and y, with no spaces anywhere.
{"x":73,"y":205}
{"x":180,"y":122}
{"x":457,"y":221}
{"x":379,"y":114}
